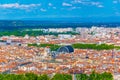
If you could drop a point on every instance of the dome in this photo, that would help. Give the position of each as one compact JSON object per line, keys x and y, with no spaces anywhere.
{"x":65,"y":49}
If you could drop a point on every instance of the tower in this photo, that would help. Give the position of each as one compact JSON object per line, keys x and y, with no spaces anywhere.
{"x":47,"y":51}
{"x":8,"y":42}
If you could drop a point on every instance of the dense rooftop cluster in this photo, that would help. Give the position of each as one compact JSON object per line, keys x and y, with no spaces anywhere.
{"x":17,"y":57}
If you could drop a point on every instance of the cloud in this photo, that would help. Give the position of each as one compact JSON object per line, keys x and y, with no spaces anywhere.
{"x":54,"y":8}
{"x":95,"y":3}
{"x":43,"y":10}
{"x":117,"y":13}
{"x":19,"y":6}
{"x":50,"y":4}
{"x":115,"y":2}
{"x":66,"y":4}
{"x":88,"y":3}
{"x":100,"y":6}
{"x":77,"y":1}
{"x":72,"y":8}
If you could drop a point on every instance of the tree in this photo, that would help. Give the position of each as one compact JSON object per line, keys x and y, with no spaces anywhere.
{"x":1,"y":76}
{"x":43,"y":77}
{"x":81,"y":76}
{"x":31,"y":76}
{"x":21,"y":77}
{"x":62,"y":77}
{"x":107,"y":76}
{"x":93,"y":76}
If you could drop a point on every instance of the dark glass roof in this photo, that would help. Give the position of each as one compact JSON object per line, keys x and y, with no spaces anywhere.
{"x":66,"y":49}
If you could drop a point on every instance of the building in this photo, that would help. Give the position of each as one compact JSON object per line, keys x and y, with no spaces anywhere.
{"x":65,"y":49}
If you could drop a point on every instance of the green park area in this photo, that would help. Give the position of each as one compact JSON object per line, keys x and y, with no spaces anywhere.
{"x":54,"y":47}
{"x":95,"y":46}
{"x":32,"y":76}
{"x":31,"y":33}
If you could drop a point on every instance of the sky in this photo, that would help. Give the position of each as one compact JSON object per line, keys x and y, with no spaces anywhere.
{"x":60,"y":9}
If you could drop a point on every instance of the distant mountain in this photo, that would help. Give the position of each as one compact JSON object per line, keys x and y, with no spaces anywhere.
{"x":22,"y":24}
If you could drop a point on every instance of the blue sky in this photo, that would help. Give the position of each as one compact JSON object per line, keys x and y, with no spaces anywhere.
{"x":52,"y":9}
